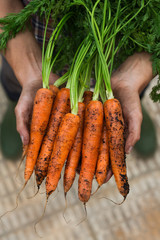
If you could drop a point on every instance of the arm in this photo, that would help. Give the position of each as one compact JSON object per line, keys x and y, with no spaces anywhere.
{"x":128,"y":81}
{"x":24,"y":56}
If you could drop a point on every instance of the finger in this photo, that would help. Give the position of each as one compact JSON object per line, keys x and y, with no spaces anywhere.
{"x":134,"y":130}
{"x":23,"y":113}
{"x":132,"y":113}
{"x":109,"y":175}
{"x":53,"y":77}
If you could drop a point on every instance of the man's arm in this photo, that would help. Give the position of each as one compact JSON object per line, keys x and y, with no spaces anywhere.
{"x":24,"y":56}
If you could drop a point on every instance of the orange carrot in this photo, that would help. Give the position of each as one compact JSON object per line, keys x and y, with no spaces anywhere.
{"x":74,"y":155}
{"x":61,"y":106}
{"x":103,"y":158}
{"x":115,"y":129}
{"x":55,"y":90}
{"x":62,"y":145}
{"x":40,"y":117}
{"x":87,"y":97}
{"x":91,"y":142}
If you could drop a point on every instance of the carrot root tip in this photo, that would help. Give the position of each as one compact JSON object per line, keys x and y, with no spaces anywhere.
{"x":124,"y":198}
{"x":95,"y":190}
{"x":85,"y":217}
{"x":41,"y":218}
{"x":34,"y":194}
{"x":17,"y":198}
{"x":67,"y":221}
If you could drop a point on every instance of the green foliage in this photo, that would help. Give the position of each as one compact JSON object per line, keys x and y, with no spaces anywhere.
{"x":144,"y":35}
{"x":14,"y":23}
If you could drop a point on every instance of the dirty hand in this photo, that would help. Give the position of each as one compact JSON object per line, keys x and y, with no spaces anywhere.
{"x":128,"y":81}
{"x":24,"y":55}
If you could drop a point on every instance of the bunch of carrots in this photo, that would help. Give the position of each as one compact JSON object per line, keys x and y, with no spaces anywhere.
{"x":74,"y":125}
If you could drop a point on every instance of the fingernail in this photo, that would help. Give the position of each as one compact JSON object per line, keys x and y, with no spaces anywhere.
{"x":109,"y":175}
{"x":130,"y":149}
{"x":22,"y":138}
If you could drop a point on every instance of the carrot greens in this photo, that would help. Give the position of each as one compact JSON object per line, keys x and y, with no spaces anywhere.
{"x":47,"y":61}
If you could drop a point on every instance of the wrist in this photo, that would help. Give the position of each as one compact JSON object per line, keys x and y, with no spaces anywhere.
{"x":135,"y":72}
{"x":10,"y":6}
{"x":24,"y":56}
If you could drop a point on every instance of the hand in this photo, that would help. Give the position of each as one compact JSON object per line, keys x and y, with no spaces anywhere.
{"x":127,"y":82}
{"x":24,"y":106}
{"x":24,"y":55}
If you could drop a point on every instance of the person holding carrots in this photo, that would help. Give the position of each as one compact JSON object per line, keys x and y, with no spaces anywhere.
{"x":21,"y":76}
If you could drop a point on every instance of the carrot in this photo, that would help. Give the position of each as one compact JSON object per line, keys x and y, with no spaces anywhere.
{"x":115,"y":128}
{"x":62,"y":145}
{"x":79,"y":164}
{"x":87,"y":97}
{"x":40,"y":117}
{"x":60,"y":108}
{"x":103,"y":158}
{"x":91,"y":142}
{"x":55,"y":90}
{"x":74,"y":155}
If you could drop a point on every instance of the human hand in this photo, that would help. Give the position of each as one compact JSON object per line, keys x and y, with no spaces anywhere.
{"x":24,"y":55}
{"x":127,"y":82}
{"x":24,"y":106}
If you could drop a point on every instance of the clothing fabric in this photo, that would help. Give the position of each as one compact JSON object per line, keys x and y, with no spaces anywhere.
{"x":7,"y":76}
{"x":38,"y":26}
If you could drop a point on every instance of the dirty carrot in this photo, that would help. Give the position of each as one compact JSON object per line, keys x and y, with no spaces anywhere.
{"x":91,"y":142}
{"x":62,"y":145}
{"x":55,"y":90}
{"x":61,"y":106}
{"x":47,"y":55}
{"x":115,"y":129}
{"x":87,"y":97}
{"x":103,"y":158}
{"x":74,"y":155}
{"x":40,"y":117}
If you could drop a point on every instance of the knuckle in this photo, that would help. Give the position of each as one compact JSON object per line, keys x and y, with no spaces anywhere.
{"x":136,"y":116}
{"x":140,"y":116}
{"x":17,"y":110}
{"x":137,"y":138}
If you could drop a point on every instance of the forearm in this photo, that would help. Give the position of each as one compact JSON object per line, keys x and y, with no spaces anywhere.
{"x":10,"y":6}
{"x":24,"y":55}
{"x":23,"y":52}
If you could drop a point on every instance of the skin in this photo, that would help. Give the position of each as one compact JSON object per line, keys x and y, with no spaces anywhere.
{"x":127,"y":81}
{"x":26,"y":63}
